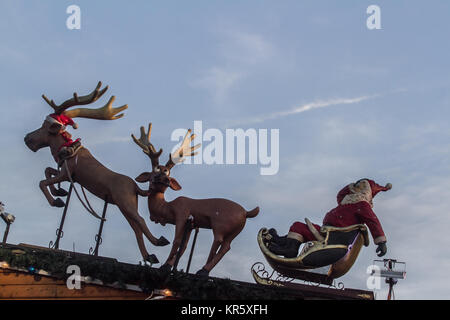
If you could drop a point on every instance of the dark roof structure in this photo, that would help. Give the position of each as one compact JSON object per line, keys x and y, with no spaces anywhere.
{"x":24,"y":266}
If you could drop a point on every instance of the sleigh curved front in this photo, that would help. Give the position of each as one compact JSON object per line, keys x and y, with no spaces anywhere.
{"x":339,"y":250}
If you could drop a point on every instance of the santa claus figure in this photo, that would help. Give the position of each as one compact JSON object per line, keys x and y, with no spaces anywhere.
{"x":354,"y":207}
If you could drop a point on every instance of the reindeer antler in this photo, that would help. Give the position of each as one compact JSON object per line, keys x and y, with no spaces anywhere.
{"x":185,"y":150}
{"x":76,"y":100}
{"x":147,"y":147}
{"x":107,"y":112}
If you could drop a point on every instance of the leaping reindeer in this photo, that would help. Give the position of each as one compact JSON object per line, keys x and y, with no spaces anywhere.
{"x":226,"y":218}
{"x":84,"y":169}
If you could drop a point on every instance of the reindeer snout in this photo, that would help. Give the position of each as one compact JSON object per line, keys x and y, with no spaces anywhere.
{"x":161,"y":179}
{"x":29,"y":142}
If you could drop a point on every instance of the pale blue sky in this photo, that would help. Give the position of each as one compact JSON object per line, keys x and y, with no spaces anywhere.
{"x":229,"y":63}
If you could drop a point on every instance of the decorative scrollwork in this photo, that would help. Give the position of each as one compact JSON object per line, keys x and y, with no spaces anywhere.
{"x":98,"y":238}
{"x":270,"y":278}
{"x":59,"y":233}
{"x":282,"y":278}
{"x":340,"y":286}
{"x":263,"y":276}
{"x":260,"y":269}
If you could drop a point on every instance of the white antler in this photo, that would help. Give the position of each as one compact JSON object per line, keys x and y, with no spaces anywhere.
{"x":185,"y":150}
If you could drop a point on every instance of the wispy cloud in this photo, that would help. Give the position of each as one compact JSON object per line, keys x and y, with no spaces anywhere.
{"x":240,"y":53}
{"x":305,"y":107}
{"x":218,"y":80}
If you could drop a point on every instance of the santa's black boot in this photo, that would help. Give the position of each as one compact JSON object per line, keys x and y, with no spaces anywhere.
{"x":281,"y":241}
{"x":288,"y":250}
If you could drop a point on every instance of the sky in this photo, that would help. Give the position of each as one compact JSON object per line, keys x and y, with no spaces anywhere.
{"x":348,"y":102}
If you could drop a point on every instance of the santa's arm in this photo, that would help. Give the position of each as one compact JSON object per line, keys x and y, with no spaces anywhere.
{"x":368,"y":217}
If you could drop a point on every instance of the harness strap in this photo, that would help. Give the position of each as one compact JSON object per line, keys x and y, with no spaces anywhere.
{"x":68,"y":151}
{"x":88,"y":207}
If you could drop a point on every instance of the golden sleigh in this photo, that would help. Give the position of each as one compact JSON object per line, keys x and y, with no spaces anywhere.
{"x":335,"y":247}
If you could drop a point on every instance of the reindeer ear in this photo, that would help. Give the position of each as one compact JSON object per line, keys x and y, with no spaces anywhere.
{"x":143,"y":177}
{"x":174,"y":185}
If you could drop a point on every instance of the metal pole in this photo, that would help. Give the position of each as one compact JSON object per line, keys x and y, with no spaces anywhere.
{"x":63,"y":218}
{"x":391,"y":281}
{"x":98,"y":237}
{"x":5,"y":235}
{"x":192,"y":250}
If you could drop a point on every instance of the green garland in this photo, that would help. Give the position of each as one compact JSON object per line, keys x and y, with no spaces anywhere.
{"x":109,"y":271}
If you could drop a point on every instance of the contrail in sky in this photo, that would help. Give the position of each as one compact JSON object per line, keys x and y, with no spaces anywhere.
{"x":306,"y":107}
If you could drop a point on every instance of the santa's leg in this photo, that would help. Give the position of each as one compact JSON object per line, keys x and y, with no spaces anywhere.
{"x":298,"y":233}
{"x":279,"y":240}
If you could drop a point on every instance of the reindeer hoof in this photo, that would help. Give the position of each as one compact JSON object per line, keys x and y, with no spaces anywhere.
{"x":162,"y":242}
{"x":58,"y":203}
{"x":165,"y":268}
{"x":202,"y":272}
{"x":151,"y":258}
{"x":60,"y":193}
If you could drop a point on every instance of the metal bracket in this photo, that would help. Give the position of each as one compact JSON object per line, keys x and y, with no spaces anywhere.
{"x":98,"y":236}
{"x":59,"y":231}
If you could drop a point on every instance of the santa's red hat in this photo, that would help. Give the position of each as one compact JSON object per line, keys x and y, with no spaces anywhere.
{"x":62,"y":119}
{"x":352,"y":188}
{"x":375,"y":187}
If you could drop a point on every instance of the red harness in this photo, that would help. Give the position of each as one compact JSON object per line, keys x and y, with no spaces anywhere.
{"x":64,"y":121}
{"x":69,"y":142}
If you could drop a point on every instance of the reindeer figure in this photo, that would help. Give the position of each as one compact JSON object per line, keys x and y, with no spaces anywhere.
{"x":226,"y":218}
{"x":84,"y":169}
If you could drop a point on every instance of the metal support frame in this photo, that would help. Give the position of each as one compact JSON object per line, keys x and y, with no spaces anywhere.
{"x":192,"y":250}
{"x":59,"y":231}
{"x":187,"y":229}
{"x":5,"y":235}
{"x":391,"y":281}
{"x":98,"y":236}
{"x":391,"y":275}
{"x":9,"y":219}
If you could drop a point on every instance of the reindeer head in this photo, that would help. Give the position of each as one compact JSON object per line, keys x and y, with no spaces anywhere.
{"x":50,"y":129}
{"x":160,"y":178}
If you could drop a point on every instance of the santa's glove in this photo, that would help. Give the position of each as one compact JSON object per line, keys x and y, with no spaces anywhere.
{"x":382,"y":249}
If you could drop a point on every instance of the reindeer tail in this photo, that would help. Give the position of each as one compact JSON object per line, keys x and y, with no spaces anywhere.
{"x":142,"y":193}
{"x":252,"y":213}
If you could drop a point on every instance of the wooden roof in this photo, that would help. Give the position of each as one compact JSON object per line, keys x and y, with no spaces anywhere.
{"x":19,"y":283}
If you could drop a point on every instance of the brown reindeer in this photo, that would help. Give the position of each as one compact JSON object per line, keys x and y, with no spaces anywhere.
{"x":226,"y":218}
{"x":84,"y":169}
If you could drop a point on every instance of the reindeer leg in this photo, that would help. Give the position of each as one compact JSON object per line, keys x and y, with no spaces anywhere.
{"x":44,"y":184}
{"x":157,"y":242}
{"x":129,"y":210}
{"x":218,"y":240}
{"x":49,"y":173}
{"x":213,"y":251}
{"x":181,"y":249}
{"x":179,"y":229}
{"x":224,"y":248}
{"x":161,"y":242}
{"x":140,"y":240}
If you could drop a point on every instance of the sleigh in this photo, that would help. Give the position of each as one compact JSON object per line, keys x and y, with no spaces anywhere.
{"x":334,"y":248}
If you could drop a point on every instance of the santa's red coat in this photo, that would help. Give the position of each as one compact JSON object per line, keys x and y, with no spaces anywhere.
{"x":343,"y":216}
